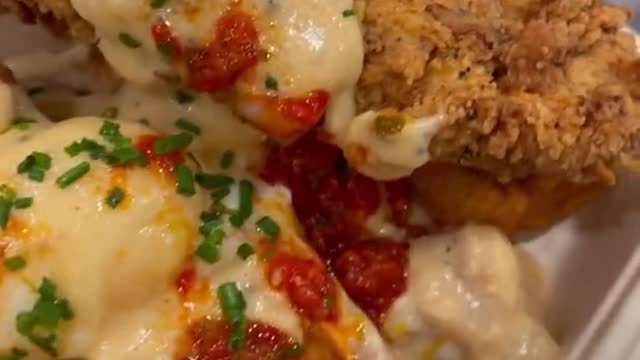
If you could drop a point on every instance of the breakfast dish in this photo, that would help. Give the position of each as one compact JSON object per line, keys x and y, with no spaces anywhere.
{"x":522,"y":93}
{"x":322,"y":179}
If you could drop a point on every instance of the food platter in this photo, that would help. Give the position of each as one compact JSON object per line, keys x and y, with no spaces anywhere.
{"x":582,"y":271}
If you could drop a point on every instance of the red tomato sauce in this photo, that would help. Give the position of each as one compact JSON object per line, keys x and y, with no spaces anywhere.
{"x":305,"y":111}
{"x":185,"y":281}
{"x":333,"y":204}
{"x":287,"y":116}
{"x":166,"y":41}
{"x":307,"y":284}
{"x":233,"y":49}
{"x":210,"y":341}
{"x":165,"y":163}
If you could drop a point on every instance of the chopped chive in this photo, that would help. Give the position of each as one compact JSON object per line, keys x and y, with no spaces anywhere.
{"x":184,"y":181}
{"x":72,"y":175}
{"x":348,"y":13}
{"x":207,"y":227}
{"x":41,"y":323}
{"x":209,"y":249}
{"x":213,"y":181}
{"x":94,"y":149}
{"x":115,"y":197}
{"x":35,"y":160}
{"x":14,"y":263}
{"x":172,"y":143}
{"x":35,"y":90}
{"x":245,"y":206}
{"x":42,"y":160}
{"x":26,"y":164}
{"x":271,"y":83}
{"x":7,"y":192}
{"x":156,"y":4}
{"x":36,"y":174}
{"x":110,"y":131}
{"x":267,"y":226}
{"x":23,"y":202}
{"x":184,"y":97}
{"x":125,"y":155}
{"x":188,"y":126}
{"x":5,"y":209}
{"x":244,"y":251}
{"x":15,"y":354}
{"x":227,"y":159}
{"x":233,"y":310}
{"x":110,"y":113}
{"x":22,"y":122}
{"x":129,"y":41}
{"x":208,"y":216}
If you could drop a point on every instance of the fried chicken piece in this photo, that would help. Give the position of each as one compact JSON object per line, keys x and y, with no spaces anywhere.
{"x":455,"y":195}
{"x":542,"y":99}
{"x":58,"y":16}
{"x":529,"y":87}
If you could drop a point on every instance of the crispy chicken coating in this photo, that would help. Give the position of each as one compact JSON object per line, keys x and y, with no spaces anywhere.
{"x":58,"y":16}
{"x":529,"y":87}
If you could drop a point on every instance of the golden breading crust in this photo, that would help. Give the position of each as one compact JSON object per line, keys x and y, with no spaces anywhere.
{"x":529,"y":86}
{"x":58,"y":16}
{"x":455,"y":195}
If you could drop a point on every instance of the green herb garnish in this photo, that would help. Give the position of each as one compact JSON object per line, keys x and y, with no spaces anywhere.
{"x":271,"y":83}
{"x":210,"y":224}
{"x":227,"y":159}
{"x":23,"y":202}
{"x":95,"y":150}
{"x":233,"y":309}
{"x":209,"y":249}
{"x":129,"y":41}
{"x":348,"y":13}
{"x":115,"y":197}
{"x":188,"y":126}
{"x":35,"y":165}
{"x":245,"y":206}
{"x":14,"y":263}
{"x":172,"y":143}
{"x":185,"y":184}
{"x":184,"y":97}
{"x":41,"y":323}
{"x":22,"y":122}
{"x":72,"y":175}
{"x":244,"y":251}
{"x":213,"y":181}
{"x":5,"y":210}
{"x":267,"y":226}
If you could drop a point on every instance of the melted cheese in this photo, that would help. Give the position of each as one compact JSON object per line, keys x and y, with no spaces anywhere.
{"x":98,"y":257}
{"x":467,"y":285}
{"x":393,"y":156}
{"x":221,"y":130}
{"x":311,"y":44}
{"x":117,"y":267}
